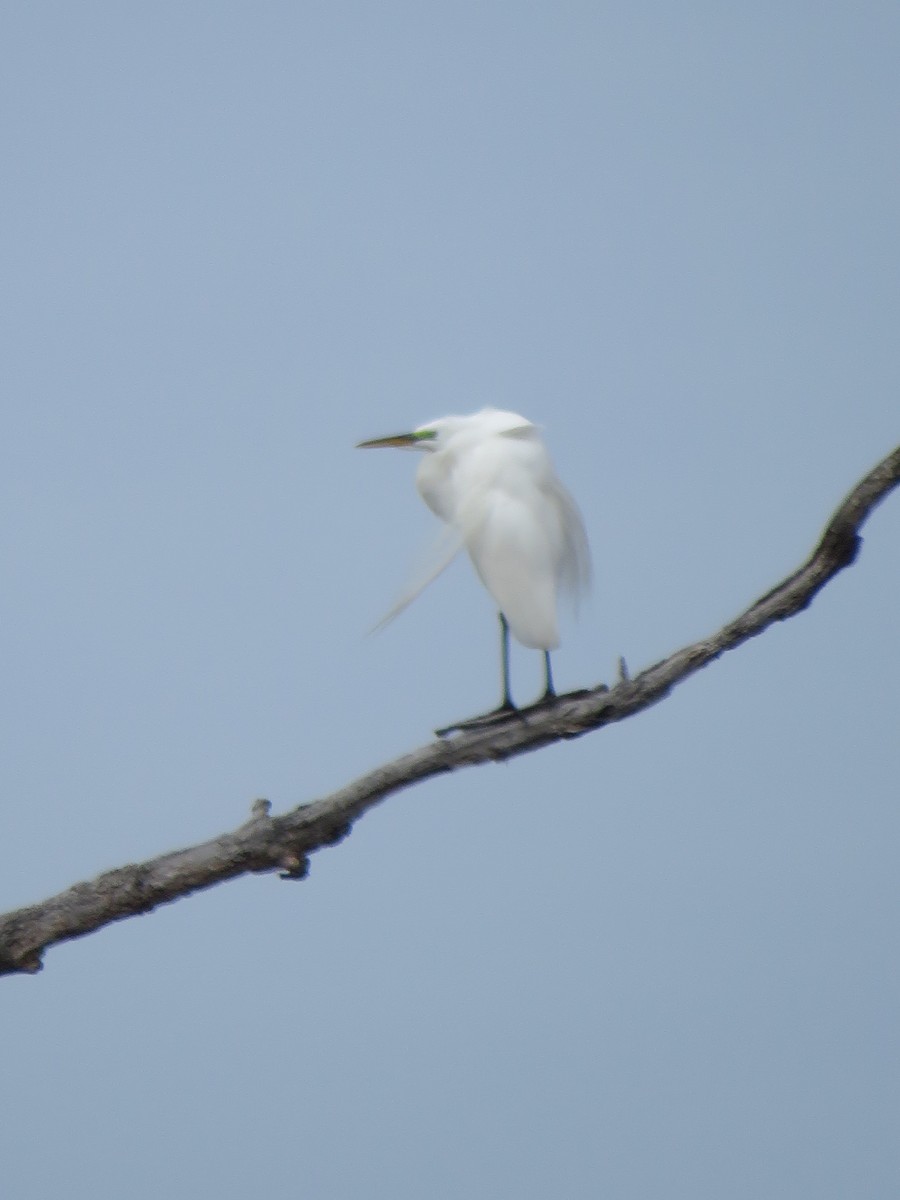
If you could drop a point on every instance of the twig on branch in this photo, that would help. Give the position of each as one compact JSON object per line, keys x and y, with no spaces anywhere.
{"x":283,"y":843}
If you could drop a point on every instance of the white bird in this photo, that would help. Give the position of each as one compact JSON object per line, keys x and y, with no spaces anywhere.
{"x":489,"y":477}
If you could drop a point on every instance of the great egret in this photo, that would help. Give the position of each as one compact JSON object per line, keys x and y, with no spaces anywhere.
{"x":488,"y":476}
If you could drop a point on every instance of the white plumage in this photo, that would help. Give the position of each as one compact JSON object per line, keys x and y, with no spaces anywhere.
{"x":489,"y":477}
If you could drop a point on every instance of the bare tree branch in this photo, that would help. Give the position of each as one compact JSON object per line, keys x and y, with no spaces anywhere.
{"x":282,"y":843}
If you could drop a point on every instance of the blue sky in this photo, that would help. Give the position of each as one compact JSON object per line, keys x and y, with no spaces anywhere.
{"x":237,"y":239}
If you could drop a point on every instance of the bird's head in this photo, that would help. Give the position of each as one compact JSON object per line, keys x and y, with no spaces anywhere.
{"x":436,"y":434}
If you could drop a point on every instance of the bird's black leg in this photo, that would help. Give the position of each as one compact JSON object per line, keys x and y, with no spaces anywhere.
{"x":506,"y":703}
{"x":505,"y":707}
{"x":549,"y":689}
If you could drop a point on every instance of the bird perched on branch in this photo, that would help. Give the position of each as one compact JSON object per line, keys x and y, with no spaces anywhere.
{"x":489,"y":477}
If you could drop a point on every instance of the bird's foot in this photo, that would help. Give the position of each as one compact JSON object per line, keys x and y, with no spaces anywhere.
{"x":498,"y":716}
{"x":546,"y":700}
{"x":507,"y":712}
{"x":495,"y":717}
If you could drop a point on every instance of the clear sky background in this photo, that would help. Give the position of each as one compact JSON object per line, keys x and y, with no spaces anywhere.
{"x":235,"y":239}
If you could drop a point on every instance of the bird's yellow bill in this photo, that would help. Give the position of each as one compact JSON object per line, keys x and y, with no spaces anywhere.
{"x":396,"y":439}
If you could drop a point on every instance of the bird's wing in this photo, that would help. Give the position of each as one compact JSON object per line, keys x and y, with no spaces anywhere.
{"x":575,"y":560}
{"x":439,"y":558}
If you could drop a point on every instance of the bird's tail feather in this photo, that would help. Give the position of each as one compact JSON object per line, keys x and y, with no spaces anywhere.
{"x":440,"y":557}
